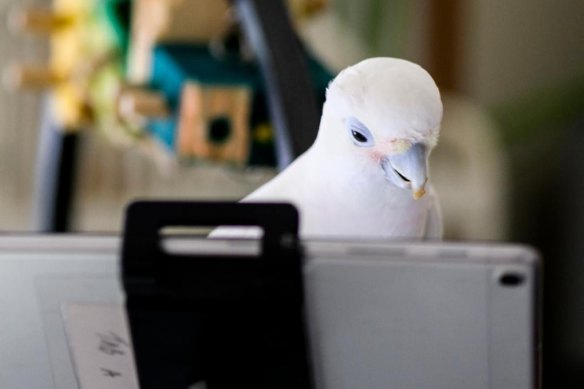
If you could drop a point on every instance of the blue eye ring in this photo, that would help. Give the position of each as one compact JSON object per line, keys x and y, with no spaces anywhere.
{"x":359,"y":133}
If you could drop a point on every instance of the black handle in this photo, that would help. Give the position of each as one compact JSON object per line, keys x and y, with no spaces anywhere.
{"x":230,"y":321}
{"x":146,"y":266}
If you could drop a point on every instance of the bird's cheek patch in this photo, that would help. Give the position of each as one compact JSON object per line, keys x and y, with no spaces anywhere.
{"x":376,"y":155}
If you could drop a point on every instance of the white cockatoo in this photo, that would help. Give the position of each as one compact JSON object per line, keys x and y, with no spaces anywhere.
{"x":366,"y":175}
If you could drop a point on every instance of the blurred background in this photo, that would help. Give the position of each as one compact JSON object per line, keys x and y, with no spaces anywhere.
{"x":109,"y":90}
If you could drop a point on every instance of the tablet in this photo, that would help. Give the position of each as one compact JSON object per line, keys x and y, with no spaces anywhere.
{"x":380,"y":315}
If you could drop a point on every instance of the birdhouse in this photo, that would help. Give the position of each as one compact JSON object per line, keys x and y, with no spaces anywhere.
{"x":214,"y":123}
{"x":210,"y":100}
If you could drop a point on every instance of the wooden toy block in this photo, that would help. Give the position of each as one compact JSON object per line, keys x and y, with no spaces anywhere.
{"x":37,"y":20}
{"x":30,"y":77}
{"x":214,"y":123}
{"x":140,"y":104}
{"x":210,"y":100}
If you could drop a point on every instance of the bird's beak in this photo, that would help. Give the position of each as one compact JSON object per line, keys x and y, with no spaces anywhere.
{"x":411,"y":166}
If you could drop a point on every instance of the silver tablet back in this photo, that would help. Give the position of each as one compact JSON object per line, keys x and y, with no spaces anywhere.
{"x":423,"y":316}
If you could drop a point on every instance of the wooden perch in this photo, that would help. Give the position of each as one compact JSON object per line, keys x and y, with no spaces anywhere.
{"x":30,"y":77}
{"x":36,"y":20}
{"x":140,"y":103}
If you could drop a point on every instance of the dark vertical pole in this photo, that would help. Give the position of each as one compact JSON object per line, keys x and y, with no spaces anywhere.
{"x":55,"y":176}
{"x":291,"y":96}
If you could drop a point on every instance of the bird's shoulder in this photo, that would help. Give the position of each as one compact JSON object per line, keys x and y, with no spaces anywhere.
{"x":291,"y":183}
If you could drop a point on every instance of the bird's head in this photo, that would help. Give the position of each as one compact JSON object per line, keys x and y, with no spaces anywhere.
{"x":385,"y":114}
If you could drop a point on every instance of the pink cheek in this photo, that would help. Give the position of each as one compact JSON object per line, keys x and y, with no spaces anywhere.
{"x":375,"y":156}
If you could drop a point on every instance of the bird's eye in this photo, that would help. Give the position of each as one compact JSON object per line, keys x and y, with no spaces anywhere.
{"x":359,"y":134}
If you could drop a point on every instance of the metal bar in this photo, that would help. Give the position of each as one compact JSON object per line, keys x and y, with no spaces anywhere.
{"x":291,"y":97}
{"x":55,"y":176}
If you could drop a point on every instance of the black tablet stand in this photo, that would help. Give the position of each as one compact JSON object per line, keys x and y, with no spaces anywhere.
{"x":232,"y":322}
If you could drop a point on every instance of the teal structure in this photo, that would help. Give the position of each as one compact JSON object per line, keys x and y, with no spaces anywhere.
{"x":175,"y":64}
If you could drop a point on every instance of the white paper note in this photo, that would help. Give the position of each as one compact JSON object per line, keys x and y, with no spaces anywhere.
{"x":100,"y":345}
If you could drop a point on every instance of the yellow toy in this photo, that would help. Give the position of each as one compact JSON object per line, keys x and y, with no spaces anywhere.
{"x":78,"y":48}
